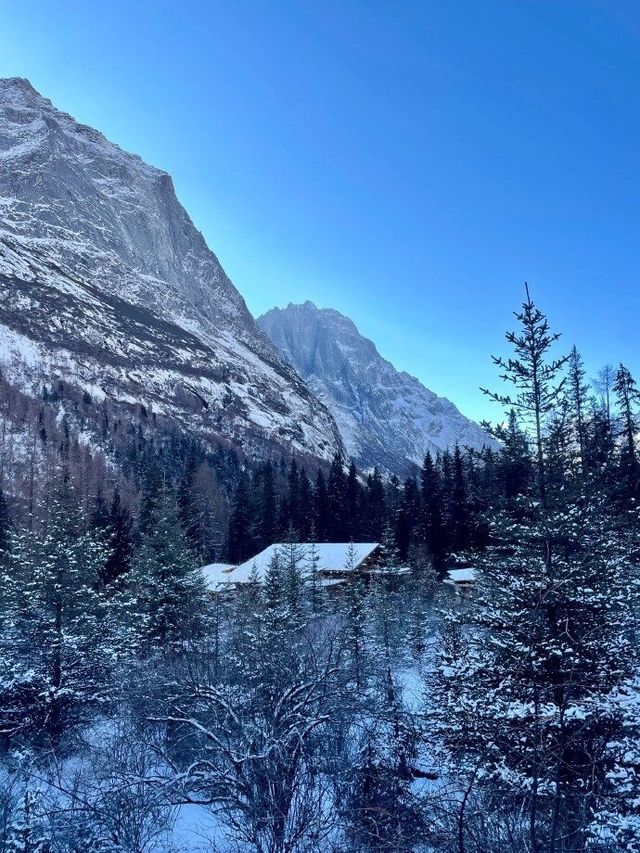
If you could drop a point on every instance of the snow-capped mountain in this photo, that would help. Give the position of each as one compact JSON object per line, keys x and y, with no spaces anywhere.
{"x":385,"y":417}
{"x":105,"y":282}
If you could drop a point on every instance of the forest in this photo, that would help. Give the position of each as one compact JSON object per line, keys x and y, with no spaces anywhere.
{"x":280,"y":717}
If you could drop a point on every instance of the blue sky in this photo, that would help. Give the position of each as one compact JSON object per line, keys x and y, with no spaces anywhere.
{"x":408,"y":163}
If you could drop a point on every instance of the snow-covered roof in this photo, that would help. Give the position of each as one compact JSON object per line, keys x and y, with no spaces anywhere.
{"x":331,"y":557}
{"x":461,"y":575}
{"x":216,"y":573}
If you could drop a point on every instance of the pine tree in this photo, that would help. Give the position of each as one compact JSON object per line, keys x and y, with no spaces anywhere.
{"x":628,"y":397}
{"x":352,"y":504}
{"x":535,"y":377}
{"x":240,"y":539}
{"x":58,"y":634}
{"x":375,"y":508}
{"x":578,"y":392}
{"x":317,"y":599}
{"x":526,"y":679}
{"x":459,"y":510}
{"x":166,"y":592}
{"x":190,"y":513}
{"x":266,"y":510}
{"x":5,"y":526}
{"x":336,"y":499}
{"x":407,"y":518}
{"x":121,"y":540}
{"x":433,"y":531}
{"x":305,"y":510}
{"x":355,"y":618}
{"x":320,"y":506}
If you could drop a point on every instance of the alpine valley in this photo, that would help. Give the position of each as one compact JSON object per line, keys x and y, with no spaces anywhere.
{"x":106,"y":283}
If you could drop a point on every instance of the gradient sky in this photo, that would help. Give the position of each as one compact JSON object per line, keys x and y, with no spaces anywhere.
{"x":408,"y":163}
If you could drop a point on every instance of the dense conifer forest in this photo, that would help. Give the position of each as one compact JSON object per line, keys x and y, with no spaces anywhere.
{"x":284,"y":716}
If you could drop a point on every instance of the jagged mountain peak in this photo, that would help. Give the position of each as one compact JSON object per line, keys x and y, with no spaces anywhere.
{"x":386,"y":417}
{"x":21,"y":90}
{"x":105,"y":280}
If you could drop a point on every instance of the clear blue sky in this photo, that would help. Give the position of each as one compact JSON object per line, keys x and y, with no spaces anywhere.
{"x":407,"y":162}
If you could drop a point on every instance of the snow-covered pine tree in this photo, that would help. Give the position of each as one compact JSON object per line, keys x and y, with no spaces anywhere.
{"x":164,"y":592}
{"x":523,"y":695}
{"x":315,"y":590}
{"x":353,"y":606}
{"x":578,"y":393}
{"x":628,"y":398}
{"x":433,"y":531}
{"x":59,"y":636}
{"x":295,"y":580}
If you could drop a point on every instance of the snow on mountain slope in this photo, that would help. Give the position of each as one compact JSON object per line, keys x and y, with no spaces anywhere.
{"x":385,"y":417}
{"x":105,"y":282}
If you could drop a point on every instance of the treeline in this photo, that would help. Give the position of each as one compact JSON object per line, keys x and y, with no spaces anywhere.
{"x":445,"y":507}
{"x":231,"y":507}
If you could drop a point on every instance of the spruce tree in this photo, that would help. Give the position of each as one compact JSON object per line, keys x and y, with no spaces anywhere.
{"x":59,"y":637}
{"x":526,"y":679}
{"x":5,"y":526}
{"x":535,"y":377}
{"x":337,"y":522}
{"x":628,"y":397}
{"x":433,"y":532}
{"x":320,"y":507}
{"x":459,"y":510}
{"x":164,"y":587}
{"x":240,"y":539}
{"x":266,"y":510}
{"x":578,"y":393}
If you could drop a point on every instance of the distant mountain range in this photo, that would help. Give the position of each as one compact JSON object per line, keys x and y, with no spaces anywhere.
{"x":385,"y":417}
{"x":106,"y":283}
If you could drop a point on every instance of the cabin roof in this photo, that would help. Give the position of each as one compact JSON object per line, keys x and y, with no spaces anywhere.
{"x":331,"y":557}
{"x":214,"y":573}
{"x":461,"y":575}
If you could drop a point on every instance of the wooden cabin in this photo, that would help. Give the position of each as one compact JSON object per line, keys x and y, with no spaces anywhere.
{"x":335,"y":562}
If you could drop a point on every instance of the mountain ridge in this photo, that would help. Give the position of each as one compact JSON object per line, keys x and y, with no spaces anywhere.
{"x":105,"y":279}
{"x":386,"y":417}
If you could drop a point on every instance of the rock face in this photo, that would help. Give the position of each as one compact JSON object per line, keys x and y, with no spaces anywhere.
{"x":385,"y":417}
{"x":105,"y":282}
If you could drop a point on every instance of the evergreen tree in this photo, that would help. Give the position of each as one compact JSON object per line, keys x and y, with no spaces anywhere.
{"x":352,"y":504}
{"x":433,"y":527}
{"x":407,"y":518}
{"x":459,"y":510}
{"x":526,"y":681}
{"x":190,"y":512}
{"x":375,"y":508}
{"x":337,"y":522}
{"x":166,"y":591}
{"x":355,"y":619}
{"x":578,"y":392}
{"x":321,"y":510}
{"x":535,"y":377}
{"x":5,"y":527}
{"x":317,"y":599}
{"x":305,"y":509}
{"x":240,"y":539}
{"x":121,"y":540}
{"x":628,"y":397}
{"x":153,"y":484}
{"x":58,"y":635}
{"x":266,"y":510}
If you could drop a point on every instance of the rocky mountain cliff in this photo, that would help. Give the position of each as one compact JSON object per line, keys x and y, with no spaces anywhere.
{"x":385,"y":417}
{"x":105,"y":282}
